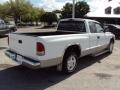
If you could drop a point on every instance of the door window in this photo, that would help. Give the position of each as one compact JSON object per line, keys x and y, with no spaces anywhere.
{"x":95,"y":27}
{"x":99,"y":28}
{"x":92,"y":27}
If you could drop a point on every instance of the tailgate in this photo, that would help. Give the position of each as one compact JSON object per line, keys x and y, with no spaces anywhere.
{"x":24,"y":45}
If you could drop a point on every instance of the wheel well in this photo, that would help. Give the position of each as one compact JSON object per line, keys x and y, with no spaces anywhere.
{"x":112,"y":40}
{"x":74,"y":48}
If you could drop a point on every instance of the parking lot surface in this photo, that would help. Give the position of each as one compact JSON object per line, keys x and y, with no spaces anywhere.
{"x":93,"y":73}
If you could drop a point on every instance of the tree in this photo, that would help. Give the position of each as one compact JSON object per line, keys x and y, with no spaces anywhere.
{"x":4,"y":10}
{"x":81,"y":8}
{"x":37,"y":13}
{"x":49,"y":17}
{"x":33,"y":15}
{"x":67,"y":11}
{"x":21,"y":11}
{"x":56,"y":11}
{"x":18,"y":8}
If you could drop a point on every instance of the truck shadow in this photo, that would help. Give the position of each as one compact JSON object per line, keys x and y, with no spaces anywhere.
{"x":117,"y":38}
{"x":21,"y":78}
{"x":3,"y":36}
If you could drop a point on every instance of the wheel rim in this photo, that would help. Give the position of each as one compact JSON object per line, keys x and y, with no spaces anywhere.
{"x":71,"y":63}
{"x":111,"y":47}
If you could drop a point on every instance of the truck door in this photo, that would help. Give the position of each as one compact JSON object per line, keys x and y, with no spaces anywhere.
{"x":101,"y":39}
{"x":93,"y":39}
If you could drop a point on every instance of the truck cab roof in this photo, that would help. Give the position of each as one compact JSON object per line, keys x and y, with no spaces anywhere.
{"x":78,"y":19}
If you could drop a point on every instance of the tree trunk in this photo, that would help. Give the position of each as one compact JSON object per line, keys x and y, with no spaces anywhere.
{"x":36,"y":23}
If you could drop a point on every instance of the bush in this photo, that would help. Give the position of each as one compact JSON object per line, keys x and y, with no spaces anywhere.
{"x":49,"y":18}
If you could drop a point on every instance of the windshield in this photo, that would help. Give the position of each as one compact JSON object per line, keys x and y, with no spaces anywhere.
{"x":117,"y":26}
{"x":72,"y":26}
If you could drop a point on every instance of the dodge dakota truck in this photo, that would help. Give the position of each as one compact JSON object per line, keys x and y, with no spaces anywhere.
{"x":73,"y":39}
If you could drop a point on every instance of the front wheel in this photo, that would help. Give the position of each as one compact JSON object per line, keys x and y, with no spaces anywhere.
{"x":69,"y":62}
{"x":110,"y":47}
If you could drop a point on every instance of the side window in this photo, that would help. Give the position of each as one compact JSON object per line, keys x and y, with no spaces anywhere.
{"x":99,"y":28}
{"x":92,"y":27}
{"x":80,"y":26}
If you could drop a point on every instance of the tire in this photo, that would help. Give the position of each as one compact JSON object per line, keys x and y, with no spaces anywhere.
{"x":110,"y":47}
{"x":69,"y":62}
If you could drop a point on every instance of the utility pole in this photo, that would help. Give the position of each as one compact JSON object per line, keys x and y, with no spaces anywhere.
{"x":73,"y":9}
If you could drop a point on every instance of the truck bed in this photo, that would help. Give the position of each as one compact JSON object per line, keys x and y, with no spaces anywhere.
{"x":35,"y":34}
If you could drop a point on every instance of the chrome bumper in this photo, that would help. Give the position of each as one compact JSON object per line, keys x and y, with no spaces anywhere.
{"x":22,"y":60}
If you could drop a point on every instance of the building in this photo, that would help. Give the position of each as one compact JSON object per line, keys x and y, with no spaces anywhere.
{"x":108,"y":10}
{"x":116,"y":10}
{"x":111,"y":13}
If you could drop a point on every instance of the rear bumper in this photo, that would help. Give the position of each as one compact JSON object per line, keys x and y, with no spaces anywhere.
{"x":28,"y":62}
{"x":31,"y":63}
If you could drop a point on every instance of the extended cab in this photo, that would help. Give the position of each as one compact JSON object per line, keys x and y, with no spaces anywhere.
{"x":73,"y":39}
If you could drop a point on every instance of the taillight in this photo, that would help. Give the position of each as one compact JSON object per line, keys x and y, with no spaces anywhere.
{"x":40,"y":49}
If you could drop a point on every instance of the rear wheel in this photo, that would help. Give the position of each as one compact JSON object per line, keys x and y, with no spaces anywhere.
{"x":69,"y":62}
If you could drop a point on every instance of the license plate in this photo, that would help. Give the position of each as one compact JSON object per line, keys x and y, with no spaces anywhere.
{"x":19,"y":59}
{"x":13,"y":56}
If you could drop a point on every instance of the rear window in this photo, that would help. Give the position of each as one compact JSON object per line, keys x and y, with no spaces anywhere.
{"x":78,"y":26}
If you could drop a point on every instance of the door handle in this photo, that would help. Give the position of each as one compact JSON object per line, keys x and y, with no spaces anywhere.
{"x":20,"y":41}
{"x":98,"y":37}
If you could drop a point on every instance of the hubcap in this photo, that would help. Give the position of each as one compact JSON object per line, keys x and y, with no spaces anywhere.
{"x":71,"y":63}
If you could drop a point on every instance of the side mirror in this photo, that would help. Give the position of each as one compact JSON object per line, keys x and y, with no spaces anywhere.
{"x":101,"y":31}
{"x":106,"y":29}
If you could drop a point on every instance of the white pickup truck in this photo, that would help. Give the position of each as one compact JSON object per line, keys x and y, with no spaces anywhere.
{"x":73,"y":39}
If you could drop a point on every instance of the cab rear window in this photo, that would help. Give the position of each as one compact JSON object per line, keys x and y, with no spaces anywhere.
{"x":78,"y":26}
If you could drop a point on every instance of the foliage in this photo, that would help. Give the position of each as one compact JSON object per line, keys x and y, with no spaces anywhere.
{"x":67,"y":11}
{"x":81,"y":8}
{"x":33,"y":15}
{"x":56,"y":11}
{"x":4,"y":10}
{"x":49,"y":17}
{"x":20,"y":10}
